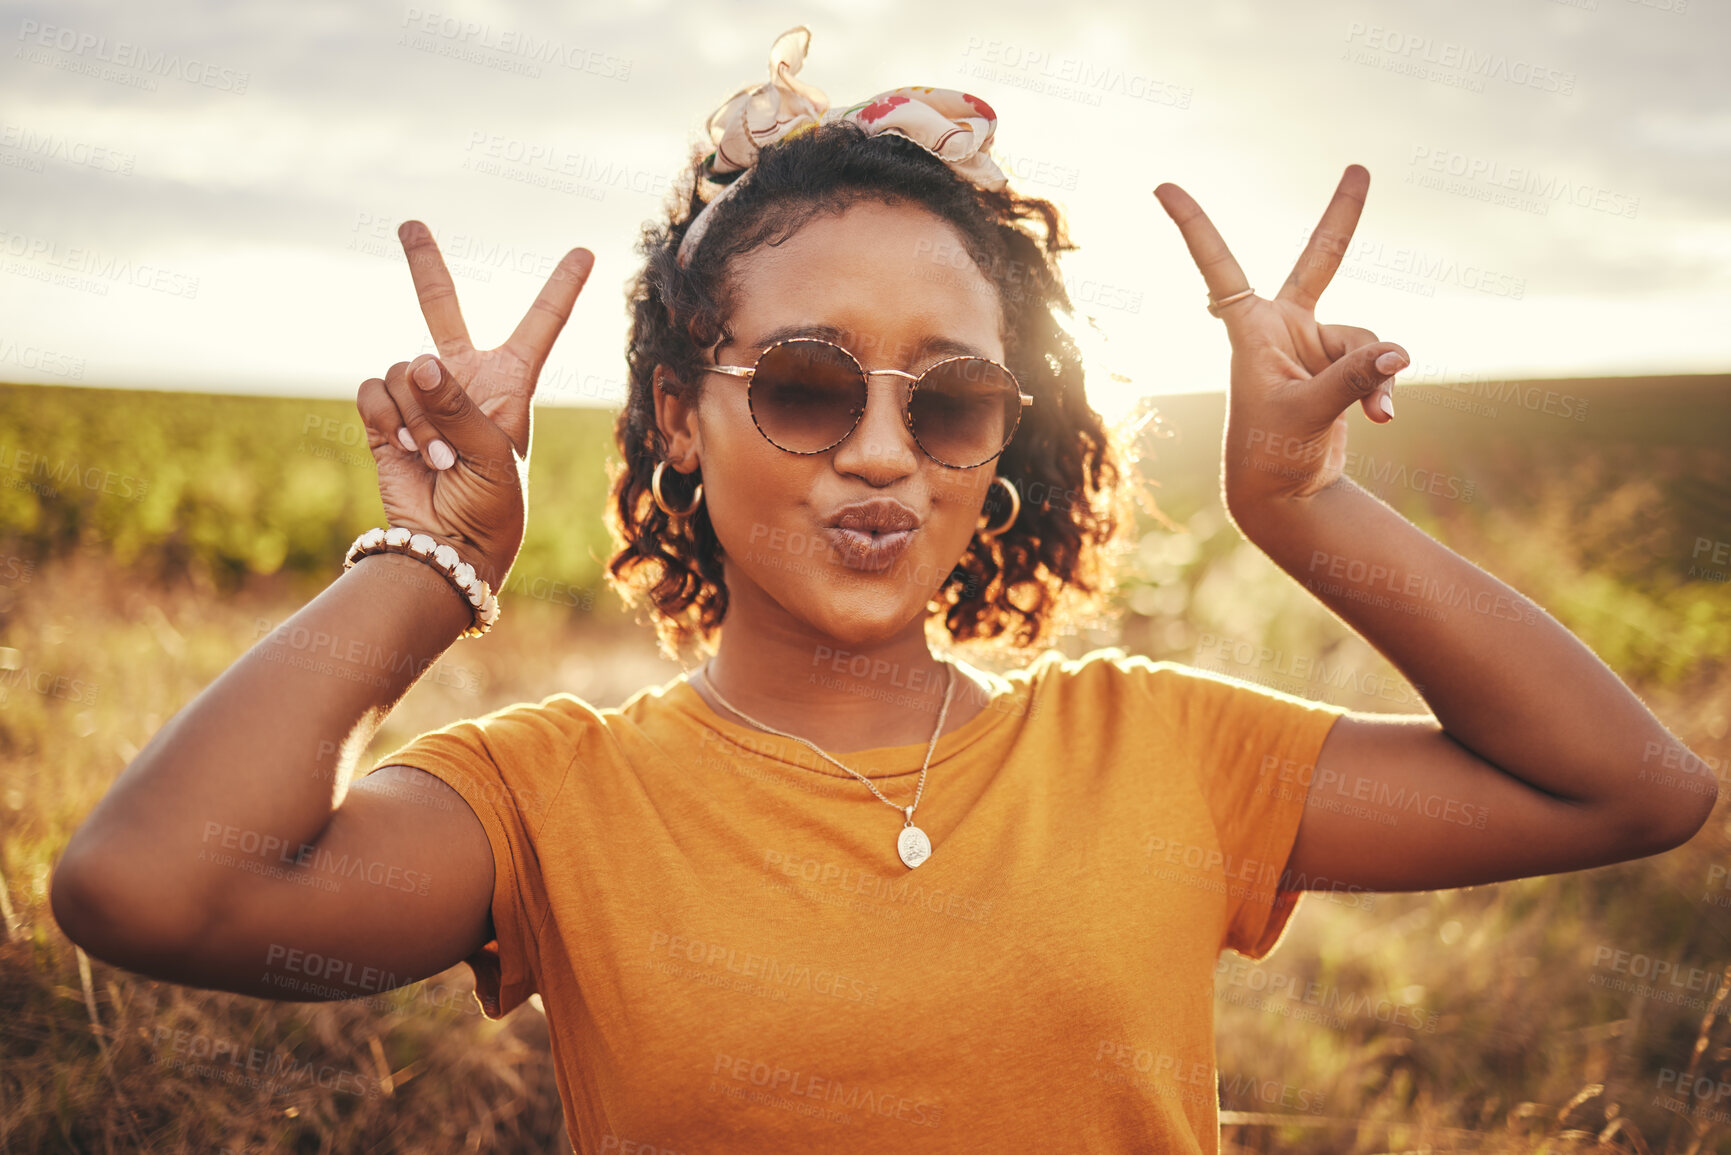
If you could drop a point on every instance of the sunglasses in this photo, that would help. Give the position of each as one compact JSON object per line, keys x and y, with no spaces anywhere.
{"x":807,"y":396}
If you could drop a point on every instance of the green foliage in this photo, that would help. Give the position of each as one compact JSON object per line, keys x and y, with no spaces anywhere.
{"x":235,"y":487}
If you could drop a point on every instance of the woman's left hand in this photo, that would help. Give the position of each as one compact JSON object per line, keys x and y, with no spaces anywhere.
{"x":1293,"y":379}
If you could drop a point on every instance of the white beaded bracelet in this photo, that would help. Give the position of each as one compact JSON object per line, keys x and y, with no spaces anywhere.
{"x":483,"y":606}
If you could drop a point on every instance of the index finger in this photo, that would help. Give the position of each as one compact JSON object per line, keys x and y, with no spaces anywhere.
{"x":533,"y":338}
{"x":1220,"y":271}
{"x":437,"y":293}
{"x":1321,"y":257}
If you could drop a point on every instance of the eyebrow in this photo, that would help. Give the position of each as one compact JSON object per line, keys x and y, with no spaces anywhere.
{"x":933,"y":345}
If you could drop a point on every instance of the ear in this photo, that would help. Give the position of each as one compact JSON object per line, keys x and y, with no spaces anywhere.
{"x":676,"y":417}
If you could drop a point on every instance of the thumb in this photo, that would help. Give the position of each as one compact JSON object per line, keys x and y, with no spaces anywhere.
{"x":478,"y":443}
{"x":1364,"y":375}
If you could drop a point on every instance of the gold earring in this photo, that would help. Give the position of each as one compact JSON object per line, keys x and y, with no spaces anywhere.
{"x":655,"y":492}
{"x":1015,"y":509}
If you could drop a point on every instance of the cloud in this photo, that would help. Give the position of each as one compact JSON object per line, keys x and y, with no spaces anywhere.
{"x":268,"y":152}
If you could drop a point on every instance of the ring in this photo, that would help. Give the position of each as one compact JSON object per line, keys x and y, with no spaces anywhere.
{"x":1214,"y":306}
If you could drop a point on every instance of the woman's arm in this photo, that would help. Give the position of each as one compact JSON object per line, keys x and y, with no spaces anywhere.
{"x":219,"y":839}
{"x":232,"y":843}
{"x":1538,"y":758}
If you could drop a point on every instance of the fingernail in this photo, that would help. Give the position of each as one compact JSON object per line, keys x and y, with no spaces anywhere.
{"x":1390,"y":362}
{"x":406,"y":439}
{"x":441,"y":454}
{"x":427,"y":373}
{"x":1385,"y":402}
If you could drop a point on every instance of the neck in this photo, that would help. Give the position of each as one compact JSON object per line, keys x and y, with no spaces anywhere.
{"x":841,"y":695}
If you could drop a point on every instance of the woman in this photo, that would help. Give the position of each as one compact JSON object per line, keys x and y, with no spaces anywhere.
{"x":855,"y":427}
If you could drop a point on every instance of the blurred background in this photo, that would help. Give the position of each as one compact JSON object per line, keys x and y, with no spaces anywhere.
{"x":198,"y":266}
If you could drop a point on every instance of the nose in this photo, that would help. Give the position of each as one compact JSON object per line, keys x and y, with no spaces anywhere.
{"x":881,"y":449}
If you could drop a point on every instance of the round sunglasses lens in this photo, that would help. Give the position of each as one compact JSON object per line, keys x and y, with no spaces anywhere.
{"x":964,"y":411}
{"x":806,"y":395}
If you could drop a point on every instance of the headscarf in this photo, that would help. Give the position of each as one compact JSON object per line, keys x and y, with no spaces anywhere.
{"x":952,"y":125}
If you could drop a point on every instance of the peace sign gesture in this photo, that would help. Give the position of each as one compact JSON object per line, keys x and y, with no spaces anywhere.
{"x":450,"y":434}
{"x":1293,"y":379}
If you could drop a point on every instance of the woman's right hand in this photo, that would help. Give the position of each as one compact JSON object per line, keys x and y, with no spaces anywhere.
{"x":465,"y":413}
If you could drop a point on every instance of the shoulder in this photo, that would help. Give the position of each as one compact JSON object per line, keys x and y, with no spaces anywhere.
{"x":517,"y":755}
{"x":1108,"y":677}
{"x":555,"y":725}
{"x":1108,"y":670}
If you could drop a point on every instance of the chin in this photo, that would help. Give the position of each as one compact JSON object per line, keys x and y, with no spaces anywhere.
{"x":863,"y":618}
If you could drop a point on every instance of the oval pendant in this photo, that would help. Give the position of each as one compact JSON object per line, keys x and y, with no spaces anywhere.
{"x":913,"y":845}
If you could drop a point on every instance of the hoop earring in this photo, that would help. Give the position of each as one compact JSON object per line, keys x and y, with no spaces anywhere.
{"x":1015,"y":509}
{"x":655,"y":492}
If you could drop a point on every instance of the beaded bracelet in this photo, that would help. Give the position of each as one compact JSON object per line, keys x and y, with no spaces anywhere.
{"x":484,"y":608}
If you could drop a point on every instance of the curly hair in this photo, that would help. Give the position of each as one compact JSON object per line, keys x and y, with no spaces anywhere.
{"x":1019,"y":586}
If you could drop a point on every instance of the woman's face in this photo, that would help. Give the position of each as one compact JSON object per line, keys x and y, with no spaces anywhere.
{"x":892,"y":286}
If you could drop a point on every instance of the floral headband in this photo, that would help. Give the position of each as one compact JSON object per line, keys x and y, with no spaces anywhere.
{"x":954,"y":126}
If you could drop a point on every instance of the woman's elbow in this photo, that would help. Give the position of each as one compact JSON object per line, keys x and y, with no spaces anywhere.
{"x":1685,"y":812}
{"x":121,"y":914}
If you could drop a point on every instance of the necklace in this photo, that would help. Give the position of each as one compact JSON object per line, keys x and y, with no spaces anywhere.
{"x":911,"y":844}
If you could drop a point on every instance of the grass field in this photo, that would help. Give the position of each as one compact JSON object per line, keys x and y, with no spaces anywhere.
{"x":147,"y":540}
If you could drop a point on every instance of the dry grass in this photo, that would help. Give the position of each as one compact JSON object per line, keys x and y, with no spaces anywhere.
{"x":1467,"y":1020}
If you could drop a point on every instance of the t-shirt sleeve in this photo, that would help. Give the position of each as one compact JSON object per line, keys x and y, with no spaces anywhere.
{"x":509,"y":766}
{"x":1252,"y":750}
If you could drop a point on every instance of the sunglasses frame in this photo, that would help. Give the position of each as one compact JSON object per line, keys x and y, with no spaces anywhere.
{"x":749,"y":373}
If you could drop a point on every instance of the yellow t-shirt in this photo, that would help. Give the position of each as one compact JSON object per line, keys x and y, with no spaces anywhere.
{"x":732,"y":957}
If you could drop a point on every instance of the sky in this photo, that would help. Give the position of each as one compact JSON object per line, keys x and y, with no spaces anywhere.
{"x":203,"y":196}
